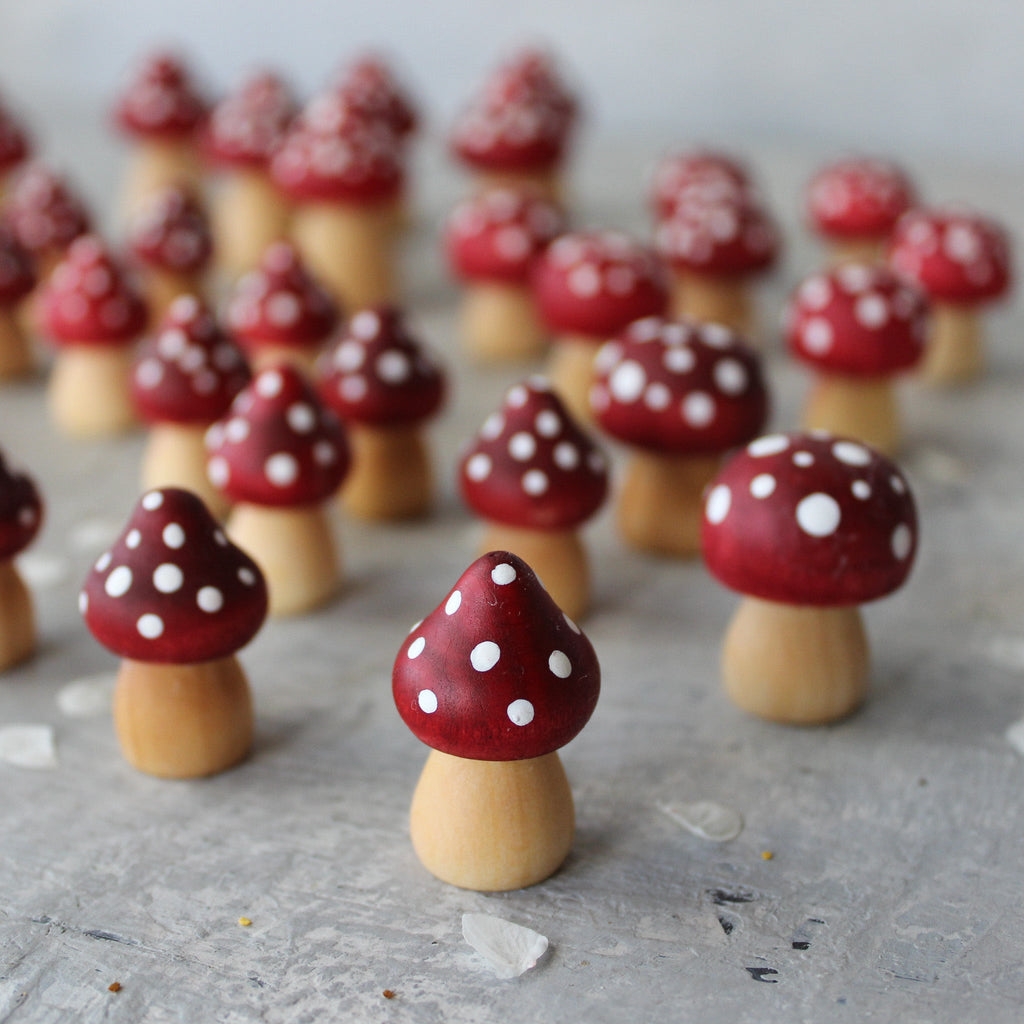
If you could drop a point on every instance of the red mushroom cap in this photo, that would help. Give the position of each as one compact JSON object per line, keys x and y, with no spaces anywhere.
{"x":698,"y":174}
{"x":530,"y":465}
{"x":497,"y":672}
{"x":859,"y":319}
{"x":170,"y":230}
{"x":161,"y":100}
{"x":190,"y":370}
{"x":246,"y":128}
{"x":278,"y":445}
{"x":173,"y":589}
{"x":21,"y":510}
{"x":594,"y":283}
{"x":810,"y":519}
{"x":15,"y":145}
{"x":680,"y":387}
{"x":280,"y":303}
{"x":954,"y":255}
{"x":335,"y":154}
{"x":721,"y":237}
{"x":88,"y":299}
{"x":43,"y":211}
{"x":532,"y":75}
{"x":17,"y":276}
{"x":377,"y":372}
{"x":858,"y":198}
{"x":498,"y":234}
{"x":371,"y":88}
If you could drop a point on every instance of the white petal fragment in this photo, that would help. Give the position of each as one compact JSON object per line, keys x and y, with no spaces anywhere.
{"x":89,"y":697}
{"x":511,"y":949}
{"x":706,"y":819}
{"x":28,"y":746}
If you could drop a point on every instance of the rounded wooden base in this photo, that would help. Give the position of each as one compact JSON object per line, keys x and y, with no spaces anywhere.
{"x":16,"y":358}
{"x":795,"y":664}
{"x":89,"y":390}
{"x":860,"y":407}
{"x":713,"y":299}
{"x":571,"y":373}
{"x":248,"y":214}
{"x":17,"y":618}
{"x":183,"y":721}
{"x":498,"y":323}
{"x":175,"y":456}
{"x":953,"y":354}
{"x":492,"y":826}
{"x":391,"y":476}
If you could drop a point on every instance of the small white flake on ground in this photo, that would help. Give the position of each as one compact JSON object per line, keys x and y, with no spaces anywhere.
{"x":28,"y":746}
{"x":91,"y":535}
{"x":41,"y":570}
{"x":706,"y":819}
{"x":89,"y":697}
{"x":510,"y":949}
{"x":1015,"y":736}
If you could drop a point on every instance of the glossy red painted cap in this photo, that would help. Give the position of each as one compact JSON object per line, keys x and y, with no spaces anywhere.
{"x":497,"y":672}
{"x":21,"y":510}
{"x":699,"y":174}
{"x":370,"y":85}
{"x":170,"y":230}
{"x":17,"y":274}
{"x":160,"y":100}
{"x":44,"y":212}
{"x":858,"y":198}
{"x":246,"y":127}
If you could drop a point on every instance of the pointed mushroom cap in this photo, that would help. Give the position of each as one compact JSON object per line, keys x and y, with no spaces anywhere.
{"x":278,"y":445}
{"x":160,"y":100}
{"x":247,"y":126}
{"x":43,"y":211}
{"x":810,"y":519}
{"x":281,"y":303}
{"x":530,"y":465}
{"x":88,"y":299}
{"x":681,"y":387}
{"x":15,"y":145}
{"x":697,"y":174}
{"x":170,"y":230}
{"x":172,"y":588}
{"x":858,"y":197}
{"x":497,"y":672}
{"x":21,"y":510}
{"x":858,"y":319}
{"x":189,"y":371}
{"x":593,"y":283}
{"x":376,"y":372}
{"x":370,"y":86}
{"x":956,"y":256}
{"x":17,"y":276}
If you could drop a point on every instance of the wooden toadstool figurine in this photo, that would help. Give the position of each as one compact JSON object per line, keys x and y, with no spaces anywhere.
{"x":495,"y":680}
{"x":279,"y":455}
{"x":962,"y":261}
{"x":853,"y":205}
{"x":588,"y":286}
{"x":371,"y":88}
{"x":93,"y":315}
{"x":280,"y":313}
{"x":176,"y":599}
{"x":17,"y":279}
{"x":183,"y":379}
{"x":702,"y":174}
{"x":857,"y":327}
{"x":807,"y":527}
{"x":681,"y":395}
{"x":383,"y":385}
{"x":15,"y":147}
{"x":535,"y":478}
{"x":21,"y":514}
{"x":492,"y":242}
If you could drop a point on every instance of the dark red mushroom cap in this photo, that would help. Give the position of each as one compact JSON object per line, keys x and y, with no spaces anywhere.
{"x":170,"y":230}
{"x":88,"y":299}
{"x":695,"y":175}
{"x":173,"y":589}
{"x":497,"y":672}
{"x":43,"y":211}
{"x":858,"y":319}
{"x":956,"y":256}
{"x":858,"y":198}
{"x":280,"y":303}
{"x":278,"y":445}
{"x":17,"y":276}
{"x":810,"y":519}
{"x":594,"y":283}
{"x":189,"y":371}
{"x":246,"y":128}
{"x":720,"y":237}
{"x":680,"y":387}
{"x":160,"y":100}
{"x":15,"y":145}
{"x":498,"y":234}
{"x":530,"y":465}
{"x":369,"y":85}
{"x":376,"y":372}
{"x":335,"y":154}
{"x":532,"y":75}
{"x":21,"y":510}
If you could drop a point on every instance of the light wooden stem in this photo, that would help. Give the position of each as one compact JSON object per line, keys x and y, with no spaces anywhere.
{"x":856,"y":250}
{"x":248,"y":214}
{"x":954,"y":353}
{"x":547,"y":184}
{"x":89,"y":390}
{"x":715,"y":299}
{"x":861,"y":407}
{"x":571,"y":373}
{"x":175,"y":456}
{"x":157,"y":164}
{"x":492,"y":826}
{"x":16,"y":359}
{"x":498,"y":323}
{"x":391,"y":475}
{"x":162,"y":287}
{"x":17,"y":617}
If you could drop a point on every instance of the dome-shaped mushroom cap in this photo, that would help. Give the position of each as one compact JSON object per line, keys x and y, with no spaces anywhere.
{"x":170,"y":230}
{"x":43,"y":211}
{"x":594,"y":283}
{"x":697,"y":175}
{"x":281,"y":303}
{"x":497,"y":672}
{"x":682,"y":387}
{"x":21,"y":510}
{"x":88,"y":299}
{"x":278,"y":445}
{"x":172,"y":588}
{"x":15,"y":145}
{"x":810,"y":519}
{"x":858,"y":319}
{"x":369,"y":85}
{"x":858,"y":198}
{"x":955,"y":255}
{"x":189,"y":370}
{"x":160,"y":100}
{"x":530,"y":465}
{"x":246,"y":127}
{"x":17,"y":276}
{"x":376,"y":372}
{"x":498,"y":234}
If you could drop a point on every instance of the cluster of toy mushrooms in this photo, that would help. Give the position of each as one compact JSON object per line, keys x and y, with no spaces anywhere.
{"x":253,"y":322}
